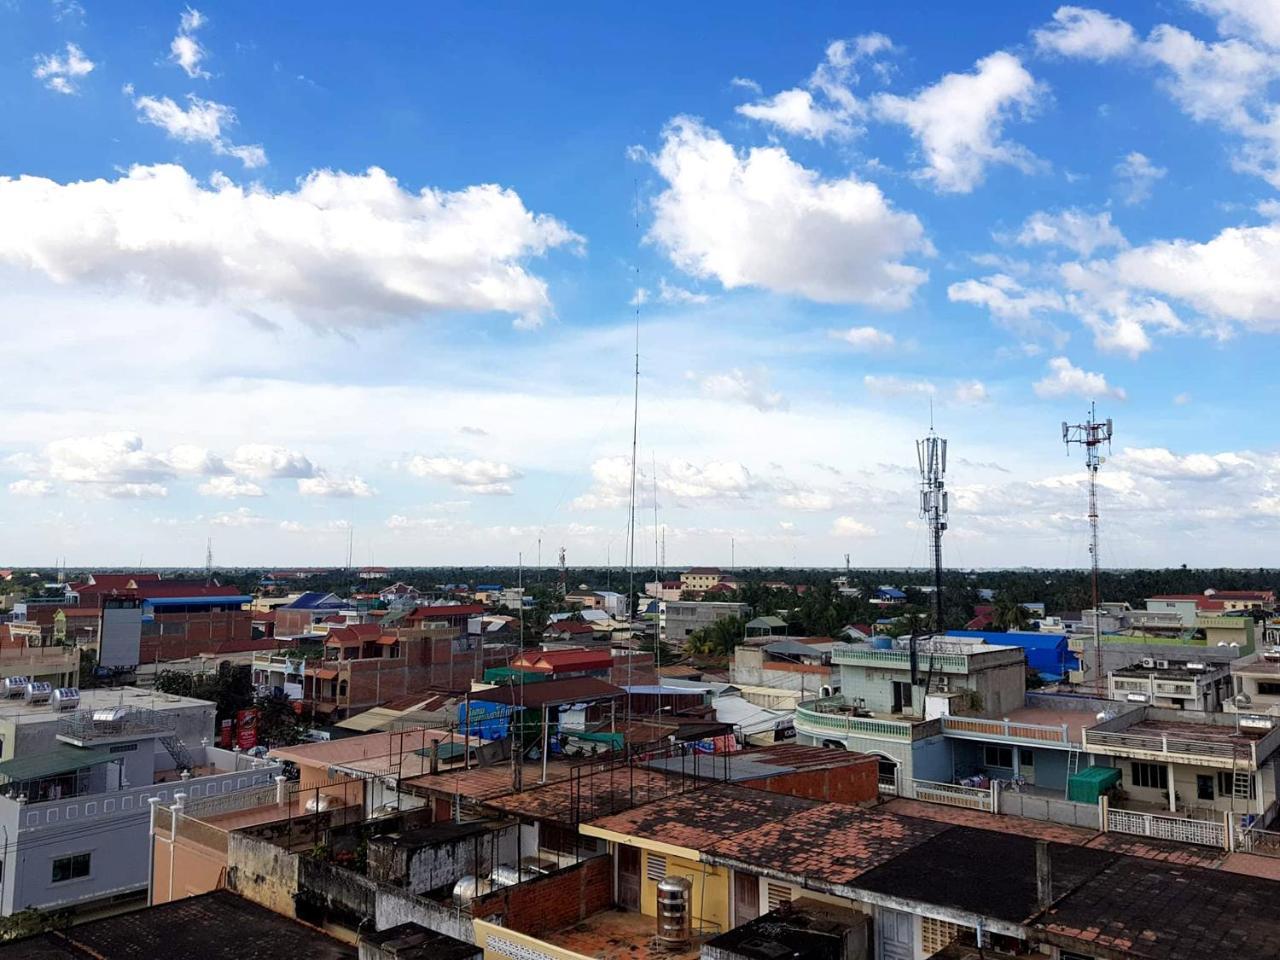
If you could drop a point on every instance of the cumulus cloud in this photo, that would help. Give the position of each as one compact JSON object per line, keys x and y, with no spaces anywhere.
{"x":971,"y":393}
{"x":851,"y":527}
{"x":1086,"y":34}
{"x":475,"y":476}
{"x":1135,"y":177}
{"x":61,"y":73}
{"x":891,"y":386}
{"x":760,"y":219}
{"x":1078,"y":231}
{"x":670,"y":293}
{"x":135,"y":491}
{"x":1251,"y":19}
{"x":826,"y":106}
{"x":715,"y":481}
{"x":809,"y":501}
{"x":229,"y":488}
{"x":1015,"y":307}
{"x":31,"y":488}
{"x":959,"y":121}
{"x":866,"y":338}
{"x":341,"y":248}
{"x":1066,"y":380}
{"x":324,"y":485}
{"x":115,"y":457}
{"x":203,"y":121}
{"x":737,"y":386}
{"x":185,"y":50}
{"x":1163,"y":464}
{"x":264,"y":461}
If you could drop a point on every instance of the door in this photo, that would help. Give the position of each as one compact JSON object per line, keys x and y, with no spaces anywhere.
{"x":746,"y":897}
{"x":629,"y":878}
{"x":1204,"y":787}
{"x":895,"y":935}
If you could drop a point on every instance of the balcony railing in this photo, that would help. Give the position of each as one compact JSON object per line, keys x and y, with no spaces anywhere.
{"x":833,"y":716}
{"x":975,"y":728}
{"x":1174,"y":749}
{"x":898,"y":659}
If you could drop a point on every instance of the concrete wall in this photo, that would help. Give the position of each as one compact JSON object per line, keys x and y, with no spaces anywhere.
{"x":260,"y":871}
{"x":931,"y":759}
{"x":1046,"y":808}
{"x":549,"y":903}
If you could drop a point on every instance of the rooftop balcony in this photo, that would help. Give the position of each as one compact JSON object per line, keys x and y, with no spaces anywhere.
{"x":956,"y":657}
{"x":1013,"y":731}
{"x":836,"y":717}
{"x":1209,"y":740}
{"x":39,"y":661}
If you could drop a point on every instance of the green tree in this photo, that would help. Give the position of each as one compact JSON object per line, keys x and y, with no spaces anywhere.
{"x":278,"y":724}
{"x":719,"y":638}
{"x":1007,"y":614}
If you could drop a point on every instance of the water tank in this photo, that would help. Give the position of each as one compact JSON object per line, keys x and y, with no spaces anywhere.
{"x":468,"y":888}
{"x":675,"y":926}
{"x":882,"y":643}
{"x":38,"y":691}
{"x":14,"y":687}
{"x":65,"y":698}
{"x":319,"y":804}
{"x":505,"y":875}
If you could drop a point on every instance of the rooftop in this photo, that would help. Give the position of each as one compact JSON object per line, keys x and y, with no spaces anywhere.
{"x":374,"y":752}
{"x":550,"y":693}
{"x":19,"y":711}
{"x":1202,"y":732}
{"x":618,"y":934}
{"x":215,"y":926}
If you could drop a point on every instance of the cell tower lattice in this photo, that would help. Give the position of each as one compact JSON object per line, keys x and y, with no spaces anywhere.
{"x":932,"y":454}
{"x":1091,"y":435}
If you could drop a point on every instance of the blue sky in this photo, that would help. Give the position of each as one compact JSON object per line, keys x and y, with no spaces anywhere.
{"x":268,"y":274}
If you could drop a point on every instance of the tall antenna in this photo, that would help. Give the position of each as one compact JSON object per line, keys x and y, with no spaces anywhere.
{"x":208,"y":562}
{"x":564,"y":576}
{"x":635,"y":433}
{"x":931,"y":452}
{"x":1092,"y":435}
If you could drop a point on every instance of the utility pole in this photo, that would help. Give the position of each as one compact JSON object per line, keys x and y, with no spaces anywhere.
{"x":1091,"y":435}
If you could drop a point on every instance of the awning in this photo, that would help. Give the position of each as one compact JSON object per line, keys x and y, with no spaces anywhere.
{"x":388,"y":641}
{"x":326,"y":674}
{"x":58,"y":759}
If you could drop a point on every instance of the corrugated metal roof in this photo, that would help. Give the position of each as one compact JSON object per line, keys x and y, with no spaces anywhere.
{"x":61,"y":758}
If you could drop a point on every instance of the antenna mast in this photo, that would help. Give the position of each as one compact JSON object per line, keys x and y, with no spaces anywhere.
{"x":564,"y":576}
{"x":1092,"y":435}
{"x":931,"y":452}
{"x":208,"y":562}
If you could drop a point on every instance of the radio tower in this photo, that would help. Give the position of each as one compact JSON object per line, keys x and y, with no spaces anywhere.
{"x":564,"y":576}
{"x":208,"y":562}
{"x":932,"y":454}
{"x":1092,"y":435}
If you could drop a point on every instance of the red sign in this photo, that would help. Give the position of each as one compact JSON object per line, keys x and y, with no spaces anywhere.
{"x":247,"y":729}
{"x":224,"y":735}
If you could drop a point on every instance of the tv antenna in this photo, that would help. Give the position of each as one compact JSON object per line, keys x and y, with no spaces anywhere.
{"x":1092,"y":435}
{"x":208,"y":562}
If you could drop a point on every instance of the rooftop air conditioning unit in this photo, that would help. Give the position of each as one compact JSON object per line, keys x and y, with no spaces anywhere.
{"x":1162,"y":664}
{"x":1148,"y":662}
{"x":1256,"y":723}
{"x":1137,"y":697}
{"x":1196,"y":666}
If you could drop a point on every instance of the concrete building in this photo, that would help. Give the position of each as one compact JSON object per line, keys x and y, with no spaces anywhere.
{"x":1175,"y":684}
{"x":698,"y":579}
{"x":677,"y":619}
{"x":1256,"y":682}
{"x":74,"y":814}
{"x":802,"y":664}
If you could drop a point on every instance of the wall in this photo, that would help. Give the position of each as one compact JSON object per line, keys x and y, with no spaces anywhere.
{"x":709,"y":898}
{"x":500,"y":943}
{"x":541,"y":906}
{"x":1045,"y":808}
{"x":855,"y":783}
{"x":260,"y":871}
{"x":750,"y":668}
{"x":931,"y":759}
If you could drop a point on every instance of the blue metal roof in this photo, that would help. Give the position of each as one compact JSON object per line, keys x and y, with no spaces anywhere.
{"x":890,"y":593}
{"x":1047,"y":653}
{"x":195,"y":601}
{"x":315,"y":600}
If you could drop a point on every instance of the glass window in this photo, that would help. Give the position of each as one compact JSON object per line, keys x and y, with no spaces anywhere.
{"x":71,"y":868}
{"x":1152,"y":775}
{"x":1225,"y":786}
{"x":998,"y":757}
{"x":1027,"y":758}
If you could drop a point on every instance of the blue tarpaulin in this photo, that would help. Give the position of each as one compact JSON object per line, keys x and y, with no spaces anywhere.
{"x":1047,"y":653}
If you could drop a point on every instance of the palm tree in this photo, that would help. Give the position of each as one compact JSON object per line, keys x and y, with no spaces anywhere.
{"x":1008,"y":614}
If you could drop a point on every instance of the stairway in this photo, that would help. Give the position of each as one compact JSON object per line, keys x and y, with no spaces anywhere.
{"x":178,"y":750}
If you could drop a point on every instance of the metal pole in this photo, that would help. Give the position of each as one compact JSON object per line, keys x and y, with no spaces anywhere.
{"x":545,"y":733}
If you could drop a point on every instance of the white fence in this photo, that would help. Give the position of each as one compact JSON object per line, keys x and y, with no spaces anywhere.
{"x":1209,"y":833}
{"x":951,"y":794}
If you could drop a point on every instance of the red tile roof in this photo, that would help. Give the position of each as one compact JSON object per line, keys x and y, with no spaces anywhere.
{"x":445,"y":612}
{"x":555,"y":661}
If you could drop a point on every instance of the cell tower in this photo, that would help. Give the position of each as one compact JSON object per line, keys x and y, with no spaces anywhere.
{"x":564,"y":576}
{"x":932,"y":454}
{"x":1092,"y":435}
{"x":208,"y":562}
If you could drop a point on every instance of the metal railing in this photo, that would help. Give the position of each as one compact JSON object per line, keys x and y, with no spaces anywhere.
{"x":831,"y":716}
{"x":898,"y":659}
{"x":953,"y":794}
{"x":978,"y":728}
{"x":1209,"y":833}
{"x":1204,"y":752}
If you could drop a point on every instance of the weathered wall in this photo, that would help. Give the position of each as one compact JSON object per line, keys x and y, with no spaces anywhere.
{"x":854,"y":783}
{"x":260,"y":871}
{"x":549,"y":903}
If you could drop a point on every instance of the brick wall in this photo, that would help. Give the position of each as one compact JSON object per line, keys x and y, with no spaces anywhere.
{"x":176,"y":636}
{"x":538,"y":907}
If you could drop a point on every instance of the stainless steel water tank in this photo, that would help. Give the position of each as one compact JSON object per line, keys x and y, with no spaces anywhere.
{"x":38,"y":691}
{"x":15,"y":686}
{"x":675,"y":925}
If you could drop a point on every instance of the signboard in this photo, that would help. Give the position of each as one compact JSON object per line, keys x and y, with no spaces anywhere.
{"x":247,"y":729}
{"x":224,"y":735}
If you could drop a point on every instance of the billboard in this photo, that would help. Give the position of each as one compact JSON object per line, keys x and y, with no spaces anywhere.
{"x":247,"y":729}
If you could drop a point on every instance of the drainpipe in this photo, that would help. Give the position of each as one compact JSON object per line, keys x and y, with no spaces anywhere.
{"x":1044,"y":876}
{"x":151,"y":854}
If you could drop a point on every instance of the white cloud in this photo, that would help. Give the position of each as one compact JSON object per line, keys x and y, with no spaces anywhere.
{"x":31,"y":488}
{"x":971,"y":392}
{"x":891,"y":386}
{"x":761,"y":219}
{"x":1015,"y":307}
{"x":324,"y":485}
{"x":116,"y":457}
{"x":959,"y":121}
{"x":342,"y":247}
{"x":185,"y":50}
{"x":825,"y":106}
{"x":1074,"y":229}
{"x":1118,"y":317}
{"x":475,"y":476}
{"x":682,"y":480}
{"x":60,"y":73}
{"x":737,"y":386}
{"x":1250,"y":19}
{"x":851,"y":527}
{"x":229,"y":488}
{"x":866,"y":338}
{"x":670,"y":293}
{"x":1135,"y":176}
{"x":202,"y":122}
{"x":263,"y":461}
{"x":1087,"y":34}
{"x":745,"y":83}
{"x":1165,"y":465}
{"x":240,"y":517}
{"x":135,"y":491}
{"x":1066,"y":380}
{"x":809,"y":501}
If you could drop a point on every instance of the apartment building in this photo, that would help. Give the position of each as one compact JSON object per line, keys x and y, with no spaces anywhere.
{"x":1186,"y":684}
{"x":75,"y":809}
{"x":678,"y":619}
{"x":1256,"y":681}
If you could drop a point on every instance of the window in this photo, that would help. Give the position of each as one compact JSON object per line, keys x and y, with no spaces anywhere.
{"x":71,"y":868}
{"x":1027,"y":758}
{"x":1225,"y":785}
{"x":937,"y":934}
{"x":998,"y":757}
{"x":778,"y":894}
{"x":1268,"y":688}
{"x":1152,"y":775}
{"x":124,"y":748}
{"x":1204,"y":786}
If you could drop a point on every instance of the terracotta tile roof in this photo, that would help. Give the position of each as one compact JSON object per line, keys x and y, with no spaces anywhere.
{"x":448,"y":611}
{"x":598,"y":793}
{"x":551,"y":692}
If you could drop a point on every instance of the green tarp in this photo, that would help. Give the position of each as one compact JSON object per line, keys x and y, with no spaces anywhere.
{"x":62,"y":758}
{"x":1091,"y":783}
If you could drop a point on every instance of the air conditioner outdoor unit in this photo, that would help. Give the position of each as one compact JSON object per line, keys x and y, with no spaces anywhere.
{"x":1137,"y":697}
{"x":1197,"y":666}
{"x":1148,"y":662}
{"x":1162,"y":664}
